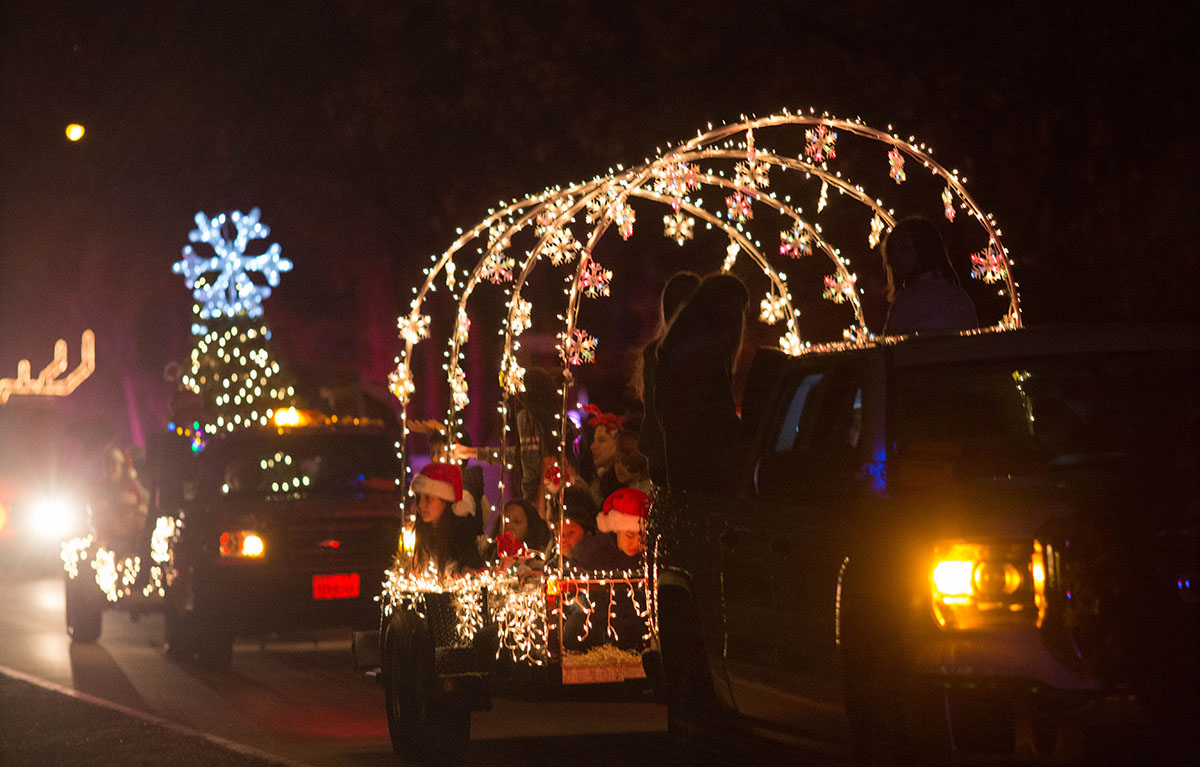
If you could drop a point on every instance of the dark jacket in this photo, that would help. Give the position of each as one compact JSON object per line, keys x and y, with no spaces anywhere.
{"x":703,"y":438}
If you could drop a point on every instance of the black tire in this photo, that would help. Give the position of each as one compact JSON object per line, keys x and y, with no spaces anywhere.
{"x":180,"y":634}
{"x":696,"y":718}
{"x":877,"y":678}
{"x":85,"y":617}
{"x":214,"y":649}
{"x":425,"y":725}
{"x":189,"y":637}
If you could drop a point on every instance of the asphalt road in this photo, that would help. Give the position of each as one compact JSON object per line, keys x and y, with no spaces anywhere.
{"x":297,"y":696}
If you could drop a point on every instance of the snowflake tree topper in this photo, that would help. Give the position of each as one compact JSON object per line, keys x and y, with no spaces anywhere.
{"x":231,"y":292}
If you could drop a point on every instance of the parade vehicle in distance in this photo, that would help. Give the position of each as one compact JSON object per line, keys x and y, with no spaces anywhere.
{"x":266,"y":529}
{"x":951,"y":548}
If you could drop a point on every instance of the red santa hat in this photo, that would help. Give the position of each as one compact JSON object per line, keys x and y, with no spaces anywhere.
{"x":624,"y":511}
{"x":444,"y":480}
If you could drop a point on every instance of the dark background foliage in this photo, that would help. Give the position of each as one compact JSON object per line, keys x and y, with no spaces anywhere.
{"x":367,"y":130}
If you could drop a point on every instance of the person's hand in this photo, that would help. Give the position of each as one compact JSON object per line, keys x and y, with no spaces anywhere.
{"x":463,"y":453}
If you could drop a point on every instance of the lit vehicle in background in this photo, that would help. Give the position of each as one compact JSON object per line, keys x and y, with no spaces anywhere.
{"x":952,"y":549}
{"x":264,"y":530}
{"x":42,"y":490}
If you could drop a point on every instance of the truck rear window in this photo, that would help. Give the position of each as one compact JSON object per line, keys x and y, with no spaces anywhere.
{"x":1002,"y":414}
{"x":309,"y":465}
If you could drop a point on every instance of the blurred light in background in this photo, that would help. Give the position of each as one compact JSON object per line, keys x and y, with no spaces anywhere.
{"x":74,"y":132}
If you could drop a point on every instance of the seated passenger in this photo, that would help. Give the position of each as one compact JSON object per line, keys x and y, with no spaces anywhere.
{"x":445,"y":537}
{"x":622,"y":538}
{"x":614,"y":607}
{"x":472,"y":476}
{"x":603,"y":446}
{"x":631,"y":467}
{"x":519,"y":533}
{"x":578,"y":520}
{"x":120,"y":504}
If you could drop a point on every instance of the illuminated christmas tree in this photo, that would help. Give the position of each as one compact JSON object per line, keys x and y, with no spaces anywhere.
{"x":233,"y":368}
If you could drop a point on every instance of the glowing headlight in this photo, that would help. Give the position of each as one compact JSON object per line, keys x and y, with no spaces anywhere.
{"x":54,"y":517}
{"x":987,"y":585}
{"x":242,"y":543}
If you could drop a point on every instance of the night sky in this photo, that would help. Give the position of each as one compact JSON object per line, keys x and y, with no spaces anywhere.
{"x":367,"y":131}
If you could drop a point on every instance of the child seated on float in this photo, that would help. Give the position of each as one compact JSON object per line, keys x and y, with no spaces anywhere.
{"x":522,"y":538}
{"x":621,"y":540}
{"x":631,"y":467}
{"x":616,"y":551}
{"x":444,"y":531}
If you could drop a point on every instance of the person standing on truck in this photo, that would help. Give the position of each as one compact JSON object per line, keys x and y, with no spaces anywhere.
{"x":922,"y":286}
{"x":445,"y":537}
{"x":119,"y":504}
{"x":675,"y":293}
{"x":537,"y":437}
{"x":694,"y":396}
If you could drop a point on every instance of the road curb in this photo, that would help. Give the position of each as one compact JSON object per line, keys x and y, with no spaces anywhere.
{"x":241,"y":748}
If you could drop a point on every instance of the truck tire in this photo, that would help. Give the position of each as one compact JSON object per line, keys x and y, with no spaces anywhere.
{"x":426,"y":726}
{"x":877,"y":678}
{"x":84,"y":614}
{"x":695,"y":715}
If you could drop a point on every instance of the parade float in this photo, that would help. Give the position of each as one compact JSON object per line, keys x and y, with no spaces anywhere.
{"x":256,"y":515}
{"x":769,"y":199}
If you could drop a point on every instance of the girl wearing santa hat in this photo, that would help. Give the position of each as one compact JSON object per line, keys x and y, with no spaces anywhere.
{"x":445,"y":537}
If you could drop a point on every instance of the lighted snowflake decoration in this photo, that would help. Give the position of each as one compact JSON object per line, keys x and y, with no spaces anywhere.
{"x":458,"y":390}
{"x":948,"y":203}
{"x":522,"y":317}
{"x":675,"y":180}
{"x":623,"y":216}
{"x":795,"y":242}
{"x":790,"y":344}
{"x":497,"y":268}
{"x":876,"y":231}
{"x":839,"y":287}
{"x":601,"y":206}
{"x":400,"y":383}
{"x":578,"y":348}
{"x":512,"y":375}
{"x":821,"y":143}
{"x":988,"y":265}
{"x":594,"y":279}
{"x":553,"y":211}
{"x":824,"y":200}
{"x":739,"y":206}
{"x":896,"y":165}
{"x":753,"y":175}
{"x":231,"y":292}
{"x":414,"y":327}
{"x":562,"y":246}
{"x":678,"y":226}
{"x":731,"y":254}
{"x":772,"y":309}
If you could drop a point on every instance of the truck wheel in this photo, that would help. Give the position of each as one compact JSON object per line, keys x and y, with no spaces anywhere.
{"x":84,"y":614}
{"x":425,"y":725}
{"x":877,"y":681}
{"x":214,"y":649}
{"x":180,"y":634}
{"x":695,"y":716}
